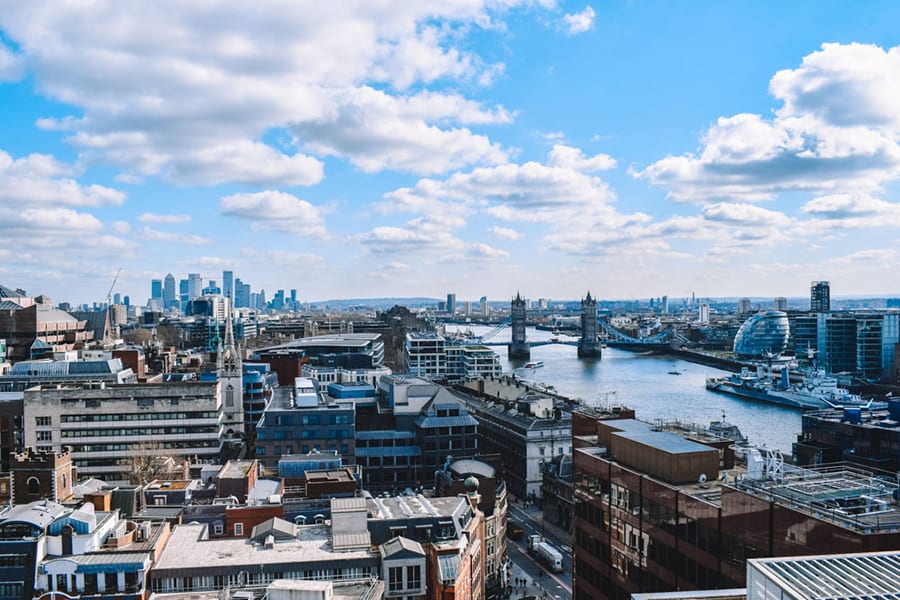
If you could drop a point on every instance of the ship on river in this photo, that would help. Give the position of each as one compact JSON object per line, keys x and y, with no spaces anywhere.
{"x":816,"y":390}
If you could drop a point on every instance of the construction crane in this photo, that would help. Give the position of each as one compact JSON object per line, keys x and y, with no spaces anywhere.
{"x":109,"y":293}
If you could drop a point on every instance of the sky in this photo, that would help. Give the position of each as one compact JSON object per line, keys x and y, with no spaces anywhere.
{"x":361,"y":149}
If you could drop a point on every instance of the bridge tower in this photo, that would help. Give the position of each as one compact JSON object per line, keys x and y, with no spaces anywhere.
{"x":589,"y":346}
{"x":518,"y":348}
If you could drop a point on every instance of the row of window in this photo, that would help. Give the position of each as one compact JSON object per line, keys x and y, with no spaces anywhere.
{"x":315,"y":434}
{"x":305,"y":449}
{"x":345,"y":419}
{"x":160,"y":416}
{"x":256,"y":577}
{"x":75,"y":433}
{"x":139,"y":446}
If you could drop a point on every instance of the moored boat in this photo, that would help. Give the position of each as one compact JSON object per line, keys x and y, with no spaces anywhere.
{"x":816,"y":391}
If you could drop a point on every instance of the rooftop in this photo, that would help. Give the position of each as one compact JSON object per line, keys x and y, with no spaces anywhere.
{"x":190,"y":548}
{"x":843,"y":494}
{"x":868,"y":576}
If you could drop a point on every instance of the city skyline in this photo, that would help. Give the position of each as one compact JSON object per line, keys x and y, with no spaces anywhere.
{"x":632,"y":149}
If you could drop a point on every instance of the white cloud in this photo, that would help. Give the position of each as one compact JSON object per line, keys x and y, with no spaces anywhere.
{"x":11,"y":67}
{"x":837,"y":131}
{"x":580,"y":22}
{"x":377,"y":131}
{"x":573,"y":158}
{"x":483,"y":251}
{"x":505,"y":233}
{"x":166,"y":236}
{"x":41,"y":179}
{"x":849,"y":211}
{"x":191,"y":92}
{"x":167,"y":219}
{"x":278,"y":211}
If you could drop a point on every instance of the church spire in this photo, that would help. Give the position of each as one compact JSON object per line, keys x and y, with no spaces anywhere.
{"x":229,"y":357}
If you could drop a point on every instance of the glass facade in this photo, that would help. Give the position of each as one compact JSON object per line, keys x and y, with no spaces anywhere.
{"x":762,"y":335}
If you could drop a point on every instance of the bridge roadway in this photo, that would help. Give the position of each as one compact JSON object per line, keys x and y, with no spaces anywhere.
{"x":634,"y":346}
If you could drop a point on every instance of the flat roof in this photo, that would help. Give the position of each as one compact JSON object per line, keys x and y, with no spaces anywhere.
{"x":844,"y":494}
{"x":187,"y":549}
{"x":332,"y":340}
{"x":867,"y":576}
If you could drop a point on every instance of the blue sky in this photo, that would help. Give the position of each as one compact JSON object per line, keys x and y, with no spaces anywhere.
{"x":362,"y":149}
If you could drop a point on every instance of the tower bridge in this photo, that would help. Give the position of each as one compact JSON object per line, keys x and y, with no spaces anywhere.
{"x":595,"y":333}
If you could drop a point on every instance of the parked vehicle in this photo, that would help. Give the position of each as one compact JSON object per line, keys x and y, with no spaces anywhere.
{"x":514,"y":531}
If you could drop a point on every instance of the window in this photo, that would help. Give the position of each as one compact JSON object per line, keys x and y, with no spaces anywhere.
{"x":45,"y":436}
{"x":238,"y":529}
{"x":229,"y":395}
{"x":43,"y":421}
{"x":413,"y":577}
{"x":395,"y":579}
{"x":218,"y":529}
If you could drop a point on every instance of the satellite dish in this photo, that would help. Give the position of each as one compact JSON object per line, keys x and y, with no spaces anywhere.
{"x":702,"y":478}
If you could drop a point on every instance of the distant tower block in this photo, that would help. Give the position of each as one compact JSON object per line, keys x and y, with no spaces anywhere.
{"x":519,"y":347}
{"x":589,"y":346}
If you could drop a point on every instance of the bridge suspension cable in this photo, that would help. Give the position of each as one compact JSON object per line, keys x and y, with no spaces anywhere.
{"x":493,"y":332}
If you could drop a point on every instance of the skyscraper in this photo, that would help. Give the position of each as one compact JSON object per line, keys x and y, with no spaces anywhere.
{"x":195,"y":285}
{"x":228,"y":284}
{"x":156,"y":289}
{"x":781,"y":303}
{"x":744,"y":306}
{"x":451,"y":303}
{"x":169,"y":291}
{"x":820,"y":297}
{"x":241,"y":294}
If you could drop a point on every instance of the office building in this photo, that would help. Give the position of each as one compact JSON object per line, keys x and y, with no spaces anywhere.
{"x":744,"y":306}
{"x":111,"y":427}
{"x":763,"y":335}
{"x":38,"y":330}
{"x":868,"y":438}
{"x":183,"y":296}
{"x":780,"y":304}
{"x":29,"y":373}
{"x":820,"y":297}
{"x":522,"y":425}
{"x":195,"y":285}
{"x":656,"y":511}
{"x":169,"y":298}
{"x":703,"y":314}
{"x":451,"y":304}
{"x":156,"y":289}
{"x":228,"y":285}
{"x":300,"y":419}
{"x":432,"y":356}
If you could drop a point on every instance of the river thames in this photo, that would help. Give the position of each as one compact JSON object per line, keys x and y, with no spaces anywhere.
{"x":648,"y":384}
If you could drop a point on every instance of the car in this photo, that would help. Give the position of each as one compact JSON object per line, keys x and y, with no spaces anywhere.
{"x":514,"y":531}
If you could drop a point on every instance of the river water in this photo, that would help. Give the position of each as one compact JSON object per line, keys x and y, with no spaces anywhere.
{"x":646,"y":383}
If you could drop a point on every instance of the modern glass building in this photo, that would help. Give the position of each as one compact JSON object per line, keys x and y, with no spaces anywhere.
{"x":762,"y":335}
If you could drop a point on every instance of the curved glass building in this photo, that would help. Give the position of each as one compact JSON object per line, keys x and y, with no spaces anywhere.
{"x":763,"y":335}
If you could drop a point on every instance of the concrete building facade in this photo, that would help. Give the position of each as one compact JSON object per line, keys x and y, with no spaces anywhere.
{"x":108,"y":427}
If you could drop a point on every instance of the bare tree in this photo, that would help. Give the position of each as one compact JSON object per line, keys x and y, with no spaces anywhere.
{"x":150,"y":461}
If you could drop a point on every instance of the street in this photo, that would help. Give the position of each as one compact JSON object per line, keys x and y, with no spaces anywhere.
{"x":525,"y":566}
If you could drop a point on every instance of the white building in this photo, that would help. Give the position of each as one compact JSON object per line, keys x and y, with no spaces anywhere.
{"x":107,"y":426}
{"x":432,"y":356}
